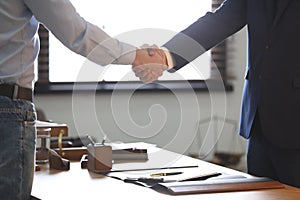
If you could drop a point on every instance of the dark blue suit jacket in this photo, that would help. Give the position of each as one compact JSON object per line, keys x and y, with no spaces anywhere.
{"x":273,"y":70}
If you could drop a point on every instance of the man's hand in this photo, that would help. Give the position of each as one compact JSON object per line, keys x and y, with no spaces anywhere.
{"x":149,"y":64}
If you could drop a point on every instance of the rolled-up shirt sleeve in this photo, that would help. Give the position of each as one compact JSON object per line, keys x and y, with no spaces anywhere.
{"x":80,"y":36}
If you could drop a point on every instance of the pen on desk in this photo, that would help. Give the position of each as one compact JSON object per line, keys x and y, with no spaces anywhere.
{"x":202,"y":177}
{"x":91,"y":140}
{"x":104,"y":139}
{"x":165,"y":174}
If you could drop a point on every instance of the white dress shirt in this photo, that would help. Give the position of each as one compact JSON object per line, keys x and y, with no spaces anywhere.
{"x":19,"y":44}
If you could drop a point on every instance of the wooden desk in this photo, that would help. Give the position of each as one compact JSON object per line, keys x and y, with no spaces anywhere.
{"x":78,"y":183}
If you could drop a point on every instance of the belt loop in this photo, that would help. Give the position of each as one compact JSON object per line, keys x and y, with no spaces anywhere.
{"x":15,"y":92}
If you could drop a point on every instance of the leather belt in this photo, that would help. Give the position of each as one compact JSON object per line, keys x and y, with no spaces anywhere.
{"x":16,"y":92}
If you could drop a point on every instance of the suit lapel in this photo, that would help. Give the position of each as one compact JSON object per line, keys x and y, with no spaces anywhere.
{"x":281,"y":7}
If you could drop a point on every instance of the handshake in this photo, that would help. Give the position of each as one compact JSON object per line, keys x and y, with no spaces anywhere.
{"x":150,"y":63}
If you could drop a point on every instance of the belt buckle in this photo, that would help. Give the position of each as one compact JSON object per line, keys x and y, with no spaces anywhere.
{"x":15,"y":92}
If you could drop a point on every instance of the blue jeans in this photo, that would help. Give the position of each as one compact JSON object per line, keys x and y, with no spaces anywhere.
{"x":17,"y":148}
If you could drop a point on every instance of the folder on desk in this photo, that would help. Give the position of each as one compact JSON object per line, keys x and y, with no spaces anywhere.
{"x":219,"y":185}
{"x":196,"y":184}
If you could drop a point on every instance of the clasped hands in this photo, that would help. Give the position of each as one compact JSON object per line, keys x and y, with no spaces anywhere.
{"x":150,"y":63}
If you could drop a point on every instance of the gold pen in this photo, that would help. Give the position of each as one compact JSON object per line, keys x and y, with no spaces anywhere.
{"x":165,"y":174}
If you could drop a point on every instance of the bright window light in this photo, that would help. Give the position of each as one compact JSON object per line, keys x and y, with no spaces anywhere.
{"x":135,"y":22}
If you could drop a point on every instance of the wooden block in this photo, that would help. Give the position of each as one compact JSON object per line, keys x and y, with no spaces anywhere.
{"x":99,"y":158}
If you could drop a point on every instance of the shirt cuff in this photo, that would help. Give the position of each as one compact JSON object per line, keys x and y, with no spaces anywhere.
{"x":169,"y":58}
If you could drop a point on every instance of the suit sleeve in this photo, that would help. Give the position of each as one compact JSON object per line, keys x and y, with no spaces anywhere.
{"x":207,"y":32}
